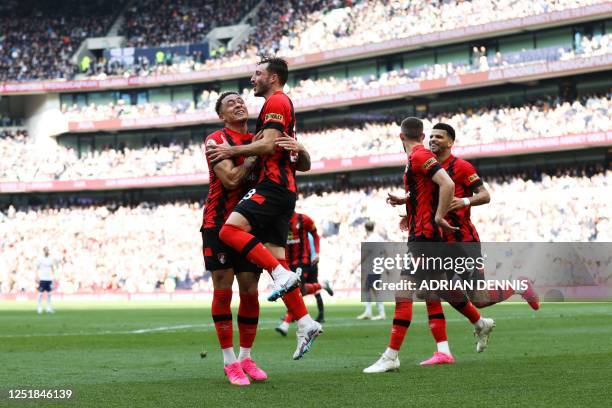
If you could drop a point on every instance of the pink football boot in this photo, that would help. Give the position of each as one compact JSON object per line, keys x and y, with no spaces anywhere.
{"x":235,"y":374}
{"x":439,"y":358}
{"x":256,"y":373}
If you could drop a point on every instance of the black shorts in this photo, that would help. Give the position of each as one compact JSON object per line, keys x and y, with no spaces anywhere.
{"x":45,"y":286}
{"x":268,"y":207}
{"x":217,"y":255}
{"x":471,"y":250}
{"x":424,"y":248}
{"x":309,"y":273}
{"x":370,"y":279}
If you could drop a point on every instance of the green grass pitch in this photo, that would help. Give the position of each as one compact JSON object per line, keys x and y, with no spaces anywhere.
{"x":149,"y":355}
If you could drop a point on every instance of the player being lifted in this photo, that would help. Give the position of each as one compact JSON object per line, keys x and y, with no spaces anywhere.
{"x":423,"y":180}
{"x":303,"y":244}
{"x":469,"y":191}
{"x":258,"y":227}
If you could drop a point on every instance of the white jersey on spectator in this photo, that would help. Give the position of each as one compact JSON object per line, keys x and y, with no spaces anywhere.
{"x":374,"y":237}
{"x":45,"y":268}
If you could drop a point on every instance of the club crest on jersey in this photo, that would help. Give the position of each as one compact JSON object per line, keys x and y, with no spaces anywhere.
{"x":277,"y":117}
{"x":429,"y":163}
{"x":221,"y":257}
{"x":211,"y":142}
{"x":473,"y":178}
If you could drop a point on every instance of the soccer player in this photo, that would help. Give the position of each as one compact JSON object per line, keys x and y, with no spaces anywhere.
{"x":469,"y":191}
{"x":262,"y":215}
{"x":303,"y":243}
{"x":372,"y":236}
{"x":46,"y":266}
{"x":228,"y":181}
{"x":423,"y":179}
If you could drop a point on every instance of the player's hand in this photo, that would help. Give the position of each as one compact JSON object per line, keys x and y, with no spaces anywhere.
{"x":219,"y":152}
{"x":403,"y":224}
{"x":315,"y":259}
{"x":442,"y":223}
{"x":456,"y":204}
{"x":288,"y":143}
{"x":395,"y":200}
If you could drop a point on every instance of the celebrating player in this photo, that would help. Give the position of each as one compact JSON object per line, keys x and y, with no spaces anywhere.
{"x":303,"y":257}
{"x":227,"y":184}
{"x":262,"y":215}
{"x":425,"y":222}
{"x":469,"y":191}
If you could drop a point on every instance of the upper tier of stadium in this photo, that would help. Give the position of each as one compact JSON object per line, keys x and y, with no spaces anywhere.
{"x":307,"y":33}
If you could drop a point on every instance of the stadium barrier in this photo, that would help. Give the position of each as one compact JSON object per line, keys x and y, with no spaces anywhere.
{"x":542,"y":144}
{"x":522,"y":72}
{"x":361,"y":51}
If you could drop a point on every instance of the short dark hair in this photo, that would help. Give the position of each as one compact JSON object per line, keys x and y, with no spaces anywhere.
{"x":445,"y":126}
{"x":412,"y":127}
{"x":221,"y":98}
{"x":277,"y":66}
{"x":369,"y":225}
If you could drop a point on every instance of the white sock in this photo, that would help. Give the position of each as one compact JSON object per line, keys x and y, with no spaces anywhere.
{"x":278,"y":271}
{"x":443,"y":347}
{"x":228,"y":356}
{"x":304,"y":321}
{"x":390,"y":353}
{"x":40,"y":300}
{"x":48,"y":300}
{"x":284,"y":325}
{"x":368,"y":308}
{"x":245,"y":352}
{"x":381,"y":308}
{"x":479,"y":323}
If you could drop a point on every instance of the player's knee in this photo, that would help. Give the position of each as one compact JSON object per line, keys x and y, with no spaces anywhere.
{"x":227,"y":231}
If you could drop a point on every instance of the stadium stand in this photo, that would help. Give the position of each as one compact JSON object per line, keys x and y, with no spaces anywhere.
{"x":309,"y":88}
{"x":289,"y":28}
{"x":543,"y":118}
{"x":114,"y":246}
{"x":37,"y":39}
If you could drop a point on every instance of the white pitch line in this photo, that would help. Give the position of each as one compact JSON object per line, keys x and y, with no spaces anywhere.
{"x":331,"y":323}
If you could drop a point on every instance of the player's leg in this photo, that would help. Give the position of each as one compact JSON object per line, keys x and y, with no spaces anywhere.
{"x":380,"y":307}
{"x":283,"y":327}
{"x":389,"y":361}
{"x":308,"y":329}
{"x":217,"y":259}
{"x":437,"y":325}
{"x":483,"y":326}
{"x":39,"y":299}
{"x":264,"y":206}
{"x":248,"y":318}
{"x":49,"y":288}
{"x":368,"y":292}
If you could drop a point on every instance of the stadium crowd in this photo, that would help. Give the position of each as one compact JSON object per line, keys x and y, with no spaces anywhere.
{"x":134,"y":248}
{"x":310,"y":88}
{"x":153,"y":23}
{"x":287,"y":28}
{"x":37,"y":39}
{"x":25,"y":161}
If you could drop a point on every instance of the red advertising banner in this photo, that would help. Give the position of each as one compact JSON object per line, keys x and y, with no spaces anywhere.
{"x":487,"y":78}
{"x":543,"y":144}
{"x":401,"y":44}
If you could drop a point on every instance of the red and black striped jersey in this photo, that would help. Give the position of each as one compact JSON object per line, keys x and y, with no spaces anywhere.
{"x":278,"y":167}
{"x":466,"y":180}
{"x":298,"y":245}
{"x":221,"y":201}
{"x":422,"y":194}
